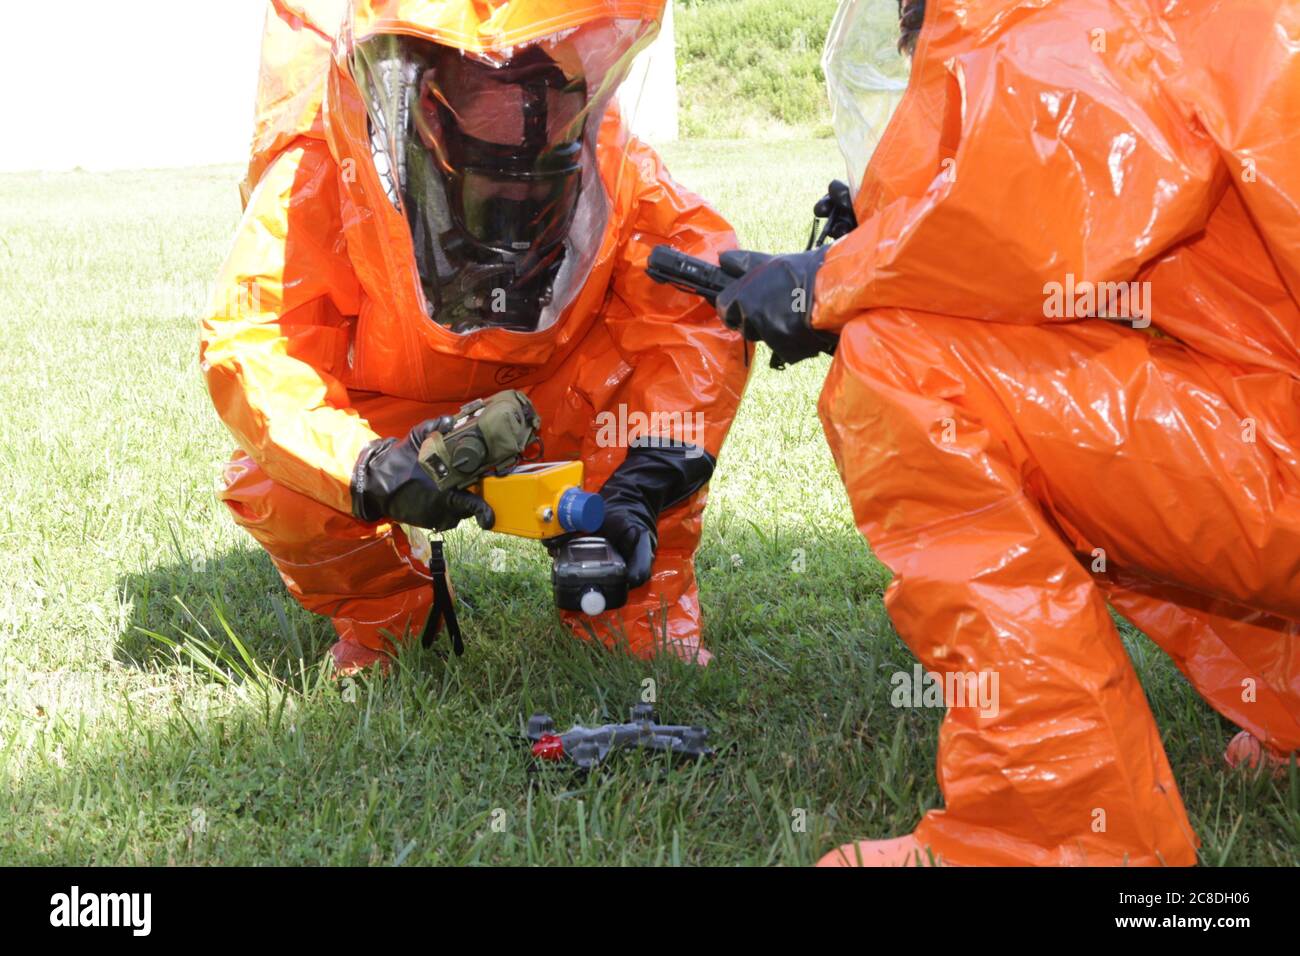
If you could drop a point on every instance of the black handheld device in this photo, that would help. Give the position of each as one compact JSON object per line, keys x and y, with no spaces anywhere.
{"x":589,"y":577}
{"x":670,"y":267}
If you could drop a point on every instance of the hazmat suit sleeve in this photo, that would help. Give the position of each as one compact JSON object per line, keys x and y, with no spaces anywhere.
{"x":1024,"y":152}
{"x":276,"y":333}
{"x":1241,"y":71}
{"x":688,"y":371}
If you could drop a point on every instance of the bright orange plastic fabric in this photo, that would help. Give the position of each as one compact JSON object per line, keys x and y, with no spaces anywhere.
{"x":1016,"y":467}
{"x":317,"y":341}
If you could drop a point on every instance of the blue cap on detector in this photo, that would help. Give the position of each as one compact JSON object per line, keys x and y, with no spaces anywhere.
{"x":581,"y":511}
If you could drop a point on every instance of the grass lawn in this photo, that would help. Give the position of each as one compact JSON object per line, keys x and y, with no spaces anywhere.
{"x":752,"y":68}
{"x":233,"y":746}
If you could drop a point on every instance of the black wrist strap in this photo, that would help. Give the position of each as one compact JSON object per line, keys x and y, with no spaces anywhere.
{"x":444,"y":605}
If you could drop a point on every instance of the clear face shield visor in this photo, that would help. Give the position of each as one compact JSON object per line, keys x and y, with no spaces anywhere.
{"x":488,"y":157}
{"x":866,"y":75}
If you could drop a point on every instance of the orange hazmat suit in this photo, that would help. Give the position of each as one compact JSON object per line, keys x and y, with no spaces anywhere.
{"x":330,"y":324}
{"x":1068,"y":373}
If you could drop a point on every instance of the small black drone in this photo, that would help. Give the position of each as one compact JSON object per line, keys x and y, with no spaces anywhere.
{"x":587,"y":747}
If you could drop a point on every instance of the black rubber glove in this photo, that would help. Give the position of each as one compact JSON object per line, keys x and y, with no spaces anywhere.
{"x":651,"y":480}
{"x":772,"y":301}
{"x":388,"y":482}
{"x":835,"y":209}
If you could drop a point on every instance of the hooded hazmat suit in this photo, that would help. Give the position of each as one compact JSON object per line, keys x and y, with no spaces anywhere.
{"x":1023,"y":444}
{"x":403,"y":150}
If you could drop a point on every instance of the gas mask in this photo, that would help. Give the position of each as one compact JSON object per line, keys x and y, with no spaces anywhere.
{"x":484,"y":156}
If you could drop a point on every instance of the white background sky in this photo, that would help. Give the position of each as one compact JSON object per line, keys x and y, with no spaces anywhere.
{"x":148,"y":83}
